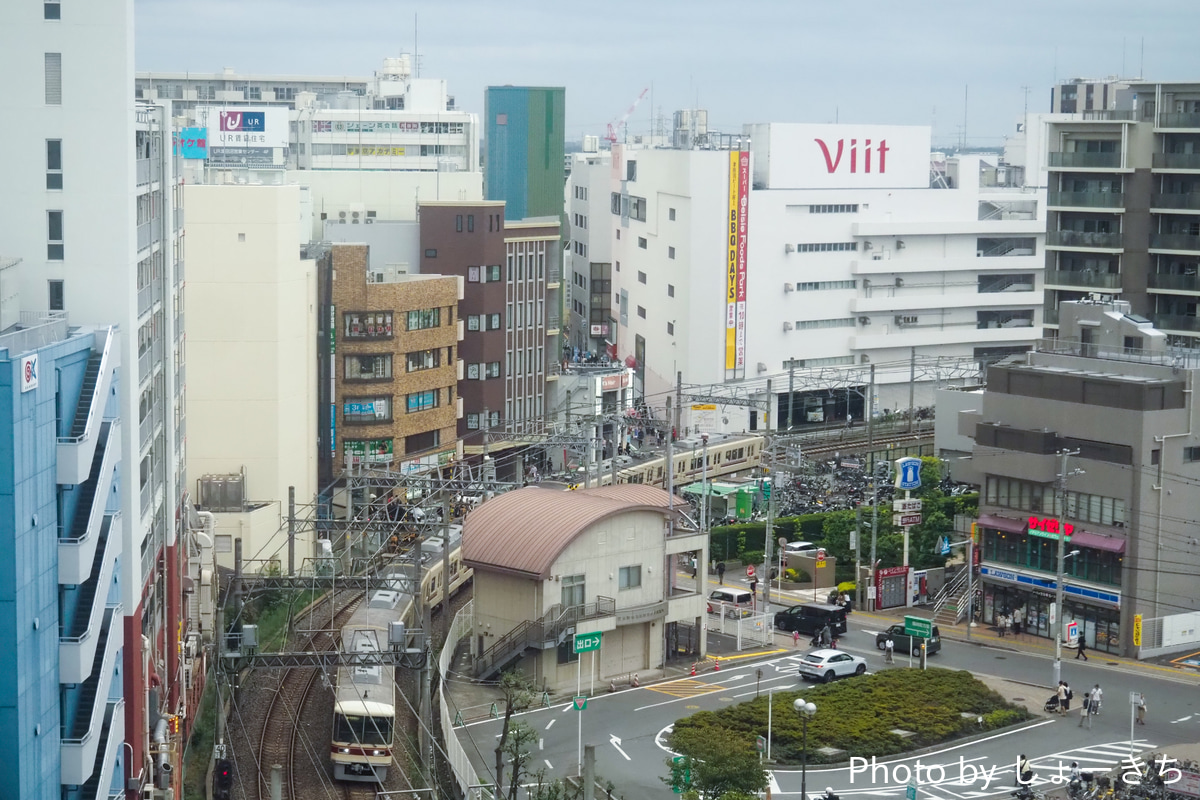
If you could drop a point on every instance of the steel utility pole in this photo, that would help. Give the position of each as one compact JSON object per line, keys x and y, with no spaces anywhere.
{"x":768,"y":534}
{"x":1057,"y":624}
{"x":874,"y":527}
{"x":291,"y":531}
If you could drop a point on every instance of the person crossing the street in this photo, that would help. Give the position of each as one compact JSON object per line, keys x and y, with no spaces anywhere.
{"x":889,"y":648}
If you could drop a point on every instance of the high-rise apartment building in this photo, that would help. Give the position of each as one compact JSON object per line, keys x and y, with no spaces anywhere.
{"x":63,"y":712}
{"x":1124,"y":207}
{"x":588,"y":258}
{"x":92,"y":208}
{"x":524,"y":129}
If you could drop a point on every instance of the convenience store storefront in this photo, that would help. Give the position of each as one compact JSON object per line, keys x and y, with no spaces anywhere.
{"x":1018,"y":572}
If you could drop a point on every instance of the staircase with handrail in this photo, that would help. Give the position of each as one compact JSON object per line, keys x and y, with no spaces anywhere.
{"x":544,"y":633}
{"x":947,"y":610}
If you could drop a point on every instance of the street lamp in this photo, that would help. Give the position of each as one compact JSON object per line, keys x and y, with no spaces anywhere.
{"x":806,"y":712}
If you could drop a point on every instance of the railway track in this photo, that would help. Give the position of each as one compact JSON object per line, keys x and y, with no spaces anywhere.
{"x":281,"y":732}
{"x":860,"y":443}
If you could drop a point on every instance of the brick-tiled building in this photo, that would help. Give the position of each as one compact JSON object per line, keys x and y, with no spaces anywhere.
{"x":395,"y":365}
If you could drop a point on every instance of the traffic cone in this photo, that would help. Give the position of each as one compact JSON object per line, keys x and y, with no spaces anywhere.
{"x":693,"y":669}
{"x":635,"y":681}
{"x":716,"y":666}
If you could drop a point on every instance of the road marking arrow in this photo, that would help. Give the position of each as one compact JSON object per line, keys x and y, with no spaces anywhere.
{"x":615,"y":742}
{"x":1182,"y":719}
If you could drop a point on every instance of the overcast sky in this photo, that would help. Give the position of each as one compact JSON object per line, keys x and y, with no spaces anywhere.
{"x":870,"y":61}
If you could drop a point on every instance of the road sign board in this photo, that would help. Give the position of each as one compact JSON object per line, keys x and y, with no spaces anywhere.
{"x":750,"y":571}
{"x":820,"y":561}
{"x":682,"y":774}
{"x":906,"y":505}
{"x":1137,"y":630}
{"x":580,"y":702}
{"x":587,"y":642}
{"x":910,"y":793}
{"x":945,"y":549}
{"x":1072,"y":632}
{"x":918,"y":626}
{"x":760,"y":744}
{"x":906,"y":520}
{"x":908,"y":473}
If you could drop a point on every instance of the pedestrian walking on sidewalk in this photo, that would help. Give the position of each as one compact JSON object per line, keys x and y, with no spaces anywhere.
{"x":1017,"y":618}
{"x":1062,"y":697}
{"x":1002,"y":624}
{"x":1081,"y":649}
{"x":889,"y":648}
{"x":1066,"y":704}
{"x":1085,"y":711}
{"x":1141,"y":709}
{"x":1097,"y":698}
{"x":795,"y":638}
{"x":721,"y":572}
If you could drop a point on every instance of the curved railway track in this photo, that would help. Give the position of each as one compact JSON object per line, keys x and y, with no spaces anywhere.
{"x":859,"y":444}
{"x":281,"y":732}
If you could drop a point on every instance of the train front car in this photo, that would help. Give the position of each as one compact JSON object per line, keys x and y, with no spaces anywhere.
{"x":364,"y":711}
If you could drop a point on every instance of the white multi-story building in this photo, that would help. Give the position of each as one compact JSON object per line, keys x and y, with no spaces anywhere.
{"x":91,"y":205}
{"x":367,"y":148}
{"x":588,"y":256}
{"x":252,"y":361}
{"x":818,"y":246}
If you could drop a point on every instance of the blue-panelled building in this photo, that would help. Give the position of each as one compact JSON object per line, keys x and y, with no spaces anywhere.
{"x":525,"y":141}
{"x":62,"y":715}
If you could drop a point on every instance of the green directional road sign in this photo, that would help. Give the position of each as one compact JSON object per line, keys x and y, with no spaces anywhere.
{"x":681,"y":774}
{"x":918,"y":626}
{"x":587,"y":642}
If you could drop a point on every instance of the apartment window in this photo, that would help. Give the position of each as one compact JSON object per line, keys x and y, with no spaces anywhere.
{"x":367,"y":367}
{"x":473,"y":372}
{"x":470,"y":223}
{"x":51,"y":9}
{"x":630,"y":578}
{"x":618,"y":263}
{"x":473,"y":422}
{"x":670,"y":329}
{"x":417,"y":442}
{"x":54,"y":235}
{"x":670,"y":252}
{"x":493,"y":322}
{"x":367,"y":324}
{"x":618,"y":234}
{"x":492,"y":273}
{"x":642,"y":312}
{"x":54,"y":79}
{"x":670,"y":290}
{"x":254,"y":93}
{"x":637,"y":208}
{"x":642,"y":242}
{"x":641,"y":277}
{"x":424,"y":318}
{"x":458,"y":223}
{"x":1155,"y":456}
{"x":1189,"y":453}
{"x":826,"y":247}
{"x":54,"y":178}
{"x":631,"y":170}
{"x":817,"y":324}
{"x":423,"y":401}
{"x":431,"y":253}
{"x":424,"y":359}
{"x":493,"y":369}
{"x":821,"y":286}
{"x":472,"y":322}
{"x":367,"y":410}
{"x":56,"y":296}
{"x":671,"y":214}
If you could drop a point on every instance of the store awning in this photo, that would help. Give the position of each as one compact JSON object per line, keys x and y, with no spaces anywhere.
{"x":1006,"y":524}
{"x":1097,"y":542}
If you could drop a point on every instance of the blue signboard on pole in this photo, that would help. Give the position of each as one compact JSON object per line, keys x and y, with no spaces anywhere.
{"x":908,"y":473}
{"x":192,"y":142}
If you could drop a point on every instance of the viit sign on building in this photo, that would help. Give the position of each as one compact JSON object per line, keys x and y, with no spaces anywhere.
{"x":845,"y":156}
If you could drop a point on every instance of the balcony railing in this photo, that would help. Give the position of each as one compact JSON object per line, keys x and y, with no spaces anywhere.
{"x":143,"y":235}
{"x":1091,"y":280}
{"x":144,"y":365}
{"x":178,"y":219}
{"x":1176,"y":322}
{"x":1109,"y":115}
{"x":35,"y":329}
{"x":1175,"y":161}
{"x":143,"y":171}
{"x":1188,"y":200}
{"x":1110,"y":241}
{"x":1174,"y":356}
{"x":179,"y":271}
{"x":1184,"y":283}
{"x":1086,"y":160}
{"x":1050,"y":316}
{"x":145,"y":299}
{"x":552,"y":322}
{"x":1174,"y":241}
{"x":1086,"y":199}
{"x":1179,"y":120}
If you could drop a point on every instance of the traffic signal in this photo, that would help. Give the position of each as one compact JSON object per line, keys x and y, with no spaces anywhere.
{"x":223,"y":779}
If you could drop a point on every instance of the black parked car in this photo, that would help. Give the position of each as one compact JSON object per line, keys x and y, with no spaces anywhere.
{"x":810,"y":618}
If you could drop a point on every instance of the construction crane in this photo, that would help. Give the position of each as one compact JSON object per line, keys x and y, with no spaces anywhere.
{"x":611,"y":136}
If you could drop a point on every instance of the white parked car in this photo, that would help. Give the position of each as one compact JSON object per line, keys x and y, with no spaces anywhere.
{"x":799,"y":547}
{"x":825,"y":665}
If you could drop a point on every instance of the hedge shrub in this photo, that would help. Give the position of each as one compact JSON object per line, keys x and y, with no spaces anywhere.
{"x":859,"y":714}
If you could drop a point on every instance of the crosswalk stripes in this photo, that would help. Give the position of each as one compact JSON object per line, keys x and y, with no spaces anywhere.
{"x":685,"y":687}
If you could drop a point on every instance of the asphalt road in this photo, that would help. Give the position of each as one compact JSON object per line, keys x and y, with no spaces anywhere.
{"x":629,"y":728}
